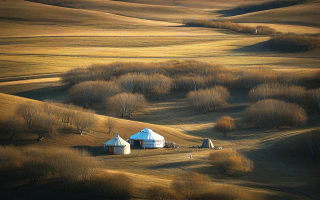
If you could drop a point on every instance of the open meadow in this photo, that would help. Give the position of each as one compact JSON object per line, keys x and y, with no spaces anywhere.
{"x":73,"y":73}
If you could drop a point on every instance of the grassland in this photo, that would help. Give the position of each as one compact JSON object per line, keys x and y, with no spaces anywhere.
{"x":39,"y":42}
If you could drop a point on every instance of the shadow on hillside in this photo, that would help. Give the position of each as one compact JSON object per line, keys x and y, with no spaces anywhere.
{"x":174,"y":165}
{"x":93,"y":150}
{"x":261,"y":47}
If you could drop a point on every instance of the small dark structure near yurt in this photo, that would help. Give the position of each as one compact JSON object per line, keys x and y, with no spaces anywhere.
{"x":207,"y":143}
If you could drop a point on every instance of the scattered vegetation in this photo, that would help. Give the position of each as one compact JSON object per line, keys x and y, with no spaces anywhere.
{"x":206,"y":100}
{"x":274,"y":113}
{"x":231,"y":162}
{"x":224,"y":125}
{"x":293,"y":42}
{"x":35,"y":163}
{"x":229,"y":25}
{"x":110,"y":124}
{"x":48,"y":117}
{"x":282,"y":42}
{"x":284,"y":92}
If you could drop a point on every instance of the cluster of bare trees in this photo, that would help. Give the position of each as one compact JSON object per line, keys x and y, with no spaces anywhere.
{"x":285,"y":92}
{"x":224,"y":125}
{"x":153,"y":84}
{"x":125,"y":104}
{"x":274,"y":113}
{"x":206,"y":100}
{"x":46,"y":118}
{"x":90,"y":92}
{"x":185,"y":75}
{"x":35,"y":163}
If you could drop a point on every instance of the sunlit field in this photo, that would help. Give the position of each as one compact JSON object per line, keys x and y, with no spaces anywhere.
{"x":51,"y":52}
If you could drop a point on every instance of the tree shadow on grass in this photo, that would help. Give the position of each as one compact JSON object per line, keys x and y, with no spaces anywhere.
{"x":174,"y":165}
{"x":93,"y":150}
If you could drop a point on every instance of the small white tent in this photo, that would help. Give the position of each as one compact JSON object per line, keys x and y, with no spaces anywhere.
{"x":147,"y":138}
{"x":117,"y":146}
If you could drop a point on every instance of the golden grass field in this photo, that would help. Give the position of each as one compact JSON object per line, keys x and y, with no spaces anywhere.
{"x":39,"y":42}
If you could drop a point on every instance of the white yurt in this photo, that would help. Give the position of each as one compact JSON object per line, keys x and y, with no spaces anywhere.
{"x":147,"y":138}
{"x":117,"y":146}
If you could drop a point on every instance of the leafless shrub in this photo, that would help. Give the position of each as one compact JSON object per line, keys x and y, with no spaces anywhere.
{"x":27,"y":111}
{"x":160,"y":193}
{"x":231,"y":162}
{"x":11,"y":127}
{"x":249,"y":78}
{"x":191,"y":185}
{"x":187,"y":83}
{"x":83,"y":93}
{"x":110,"y":123}
{"x":224,"y":125}
{"x":289,"y":93}
{"x":10,"y":156}
{"x":84,"y":121}
{"x":125,"y":104}
{"x":274,"y":113}
{"x":206,"y":100}
{"x":35,"y":165}
{"x":71,"y":165}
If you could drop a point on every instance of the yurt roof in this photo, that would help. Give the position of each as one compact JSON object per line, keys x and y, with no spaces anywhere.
{"x":117,"y":141}
{"x":147,"y":134}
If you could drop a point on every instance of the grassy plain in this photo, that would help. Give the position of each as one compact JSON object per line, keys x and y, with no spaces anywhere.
{"x":39,"y":42}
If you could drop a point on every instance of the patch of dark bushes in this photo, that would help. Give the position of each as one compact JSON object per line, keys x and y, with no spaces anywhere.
{"x":293,"y":42}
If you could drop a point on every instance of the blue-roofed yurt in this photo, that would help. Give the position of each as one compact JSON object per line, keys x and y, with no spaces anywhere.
{"x":147,"y":138}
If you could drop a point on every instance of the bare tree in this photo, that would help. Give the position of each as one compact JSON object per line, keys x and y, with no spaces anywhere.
{"x":27,"y":111}
{"x":83,"y":93}
{"x":124,"y":104}
{"x":84,"y":121}
{"x":110,"y":123}
{"x":224,"y":125}
{"x":206,"y":100}
{"x":12,"y":127}
{"x":42,"y":123}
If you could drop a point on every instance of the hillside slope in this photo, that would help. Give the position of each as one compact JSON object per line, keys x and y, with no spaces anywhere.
{"x":98,"y":135}
{"x":305,"y":14}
